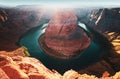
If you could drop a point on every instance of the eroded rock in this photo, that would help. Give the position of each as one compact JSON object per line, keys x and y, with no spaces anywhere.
{"x":64,"y":36}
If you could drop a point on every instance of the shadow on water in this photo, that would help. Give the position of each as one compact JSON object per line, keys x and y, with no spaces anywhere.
{"x":86,"y":57}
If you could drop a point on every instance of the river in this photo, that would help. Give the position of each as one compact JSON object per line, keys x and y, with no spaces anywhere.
{"x":86,"y":57}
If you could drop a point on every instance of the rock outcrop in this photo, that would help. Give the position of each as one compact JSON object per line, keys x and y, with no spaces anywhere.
{"x":64,"y":36}
{"x":19,"y":67}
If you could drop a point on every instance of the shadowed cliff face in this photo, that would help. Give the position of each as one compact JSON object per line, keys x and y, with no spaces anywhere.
{"x":106,"y":19}
{"x":14,"y":22}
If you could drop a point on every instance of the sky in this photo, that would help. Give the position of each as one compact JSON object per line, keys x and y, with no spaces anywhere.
{"x":62,"y":3}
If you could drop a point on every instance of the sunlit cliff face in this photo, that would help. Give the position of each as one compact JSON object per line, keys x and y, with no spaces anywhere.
{"x":64,"y":36}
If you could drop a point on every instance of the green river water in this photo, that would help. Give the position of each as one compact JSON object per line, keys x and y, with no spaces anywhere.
{"x":86,"y":57}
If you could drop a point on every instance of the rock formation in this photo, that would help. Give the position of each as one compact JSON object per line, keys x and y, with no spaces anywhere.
{"x":64,"y":36}
{"x":18,"y":67}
